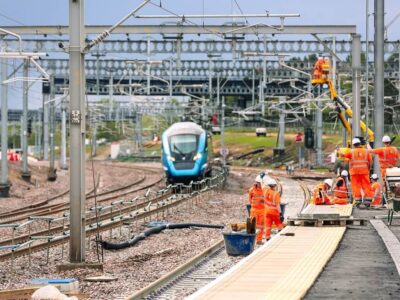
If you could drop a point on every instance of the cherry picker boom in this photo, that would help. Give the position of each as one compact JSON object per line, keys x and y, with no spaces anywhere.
{"x":320,"y":77}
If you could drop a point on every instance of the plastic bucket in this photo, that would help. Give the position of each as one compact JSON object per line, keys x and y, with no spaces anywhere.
{"x":239,"y":243}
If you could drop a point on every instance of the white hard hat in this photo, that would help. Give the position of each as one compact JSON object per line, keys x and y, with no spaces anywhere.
{"x":344,"y":173}
{"x":374,"y":176}
{"x":259,"y":179}
{"x":386,"y":139}
{"x":271,"y":181}
{"x":356,"y":141}
{"x":329,"y":182}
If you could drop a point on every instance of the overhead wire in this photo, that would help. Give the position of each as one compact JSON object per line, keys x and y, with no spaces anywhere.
{"x":217,"y":33}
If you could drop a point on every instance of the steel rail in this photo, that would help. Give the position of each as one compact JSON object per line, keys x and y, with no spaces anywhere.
{"x":59,"y":207}
{"x":89,"y":221}
{"x":177,"y":272}
{"x":90,"y":231}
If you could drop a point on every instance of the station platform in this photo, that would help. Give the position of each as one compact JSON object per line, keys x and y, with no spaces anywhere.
{"x":285,"y":267}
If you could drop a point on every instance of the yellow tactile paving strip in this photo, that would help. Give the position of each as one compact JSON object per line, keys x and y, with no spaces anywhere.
{"x":284,"y":268}
{"x":342,"y":210}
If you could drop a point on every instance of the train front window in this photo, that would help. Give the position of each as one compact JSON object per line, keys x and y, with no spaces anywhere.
{"x":183,"y":146}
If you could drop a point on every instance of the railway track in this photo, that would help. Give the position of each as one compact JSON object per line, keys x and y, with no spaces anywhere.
{"x":58,"y":229}
{"x":45,"y":208}
{"x":196,"y":273}
{"x":118,"y":219}
{"x":24,"y":245}
{"x":38,"y":206}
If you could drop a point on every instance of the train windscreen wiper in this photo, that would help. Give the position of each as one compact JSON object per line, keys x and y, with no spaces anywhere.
{"x":180,"y":152}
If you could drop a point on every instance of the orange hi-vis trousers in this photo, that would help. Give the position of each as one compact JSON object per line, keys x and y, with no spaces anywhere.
{"x":259,"y":214}
{"x":272,"y":218}
{"x":361,"y":182}
{"x":340,"y":201}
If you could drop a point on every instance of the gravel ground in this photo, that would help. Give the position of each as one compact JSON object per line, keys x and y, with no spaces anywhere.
{"x":361,"y":267}
{"x":39,"y":188}
{"x":138,"y":266}
{"x":126,"y":174}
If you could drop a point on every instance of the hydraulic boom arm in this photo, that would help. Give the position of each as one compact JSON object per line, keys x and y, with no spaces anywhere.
{"x":340,"y":104}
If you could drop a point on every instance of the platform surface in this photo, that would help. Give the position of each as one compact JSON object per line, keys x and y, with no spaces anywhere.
{"x":284,"y":268}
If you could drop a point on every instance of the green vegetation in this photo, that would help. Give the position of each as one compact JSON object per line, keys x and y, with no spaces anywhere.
{"x":249,"y":140}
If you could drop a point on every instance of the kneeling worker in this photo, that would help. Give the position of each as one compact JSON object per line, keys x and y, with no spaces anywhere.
{"x":377,"y":190}
{"x":256,"y":199}
{"x":272,"y":201}
{"x":321,"y":194}
{"x":340,"y":190}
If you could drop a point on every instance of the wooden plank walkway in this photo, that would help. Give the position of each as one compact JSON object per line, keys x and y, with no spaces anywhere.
{"x":284,"y":268}
{"x":342,"y":210}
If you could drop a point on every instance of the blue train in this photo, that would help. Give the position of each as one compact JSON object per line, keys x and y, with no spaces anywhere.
{"x":186,"y":152}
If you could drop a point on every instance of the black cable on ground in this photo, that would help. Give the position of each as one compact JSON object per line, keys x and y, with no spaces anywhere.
{"x":154,"y":230}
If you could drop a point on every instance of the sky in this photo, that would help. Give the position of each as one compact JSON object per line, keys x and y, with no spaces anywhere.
{"x":108,"y":12}
{"x":313,"y":12}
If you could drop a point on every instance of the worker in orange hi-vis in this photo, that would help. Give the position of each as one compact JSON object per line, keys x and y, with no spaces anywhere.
{"x":321,"y":194}
{"x":325,"y":67}
{"x":340,"y":189}
{"x":256,"y":199}
{"x":360,"y":162}
{"x":389,"y":156}
{"x":377,"y":190}
{"x":317,"y":71}
{"x":272,"y":201}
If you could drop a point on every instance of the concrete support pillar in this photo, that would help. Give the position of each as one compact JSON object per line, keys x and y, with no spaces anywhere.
{"x":46,"y":98}
{"x":210,"y":74}
{"x":111,"y":95}
{"x":218,"y":87}
{"x":356,"y":68}
{"x":253,"y":96}
{"x":281,"y":137}
{"x":77,"y":131}
{"x":39,"y":133}
{"x":4,"y":184}
{"x":379,"y":78}
{"x":25,"y":174}
{"x":223,"y":128}
{"x":139,"y":132}
{"x":63,"y":160}
{"x":52,"y":176}
{"x":21,"y":131}
{"x":319,"y":131}
{"x":148,"y":64}
{"x":264,"y":81}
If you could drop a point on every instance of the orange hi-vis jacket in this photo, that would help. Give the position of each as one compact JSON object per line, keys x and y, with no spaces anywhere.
{"x":376,"y":188}
{"x":316,"y":197}
{"x":388,"y":156}
{"x":360,"y":161}
{"x":272,"y":202}
{"x":317,"y":72}
{"x":256,"y":197}
{"x":340,"y":191}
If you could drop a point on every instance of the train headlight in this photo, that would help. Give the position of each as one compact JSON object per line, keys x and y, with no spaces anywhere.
{"x":171,"y":158}
{"x":197,"y":156}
